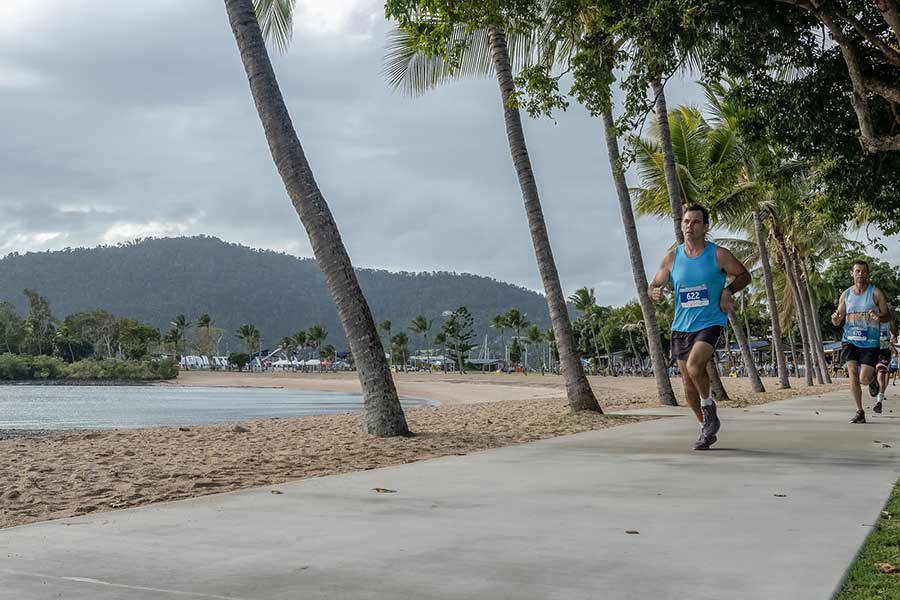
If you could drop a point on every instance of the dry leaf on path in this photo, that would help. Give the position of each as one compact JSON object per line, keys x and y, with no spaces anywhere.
{"x":632,"y":531}
{"x":384,"y":491}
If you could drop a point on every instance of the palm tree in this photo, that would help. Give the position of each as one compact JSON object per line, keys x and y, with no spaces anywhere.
{"x":441,"y":340}
{"x":534,"y":335}
{"x":499,"y":323}
{"x":657,"y":358}
{"x":697,"y":151}
{"x":422,"y":326}
{"x":585,"y":302}
{"x":384,"y":415}
{"x":316,"y":336}
{"x":180,"y":326}
{"x":287,"y":345}
{"x":299,"y":340}
{"x":407,"y":64}
{"x":400,"y":341}
{"x":250,"y":335}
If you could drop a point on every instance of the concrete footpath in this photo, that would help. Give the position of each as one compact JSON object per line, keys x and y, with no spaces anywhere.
{"x":777,"y":510}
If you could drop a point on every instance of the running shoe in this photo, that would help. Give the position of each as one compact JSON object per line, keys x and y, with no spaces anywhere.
{"x":877,"y":407}
{"x":711,"y":423}
{"x":874,"y":388}
{"x":859,"y":418}
{"x":704,"y":442}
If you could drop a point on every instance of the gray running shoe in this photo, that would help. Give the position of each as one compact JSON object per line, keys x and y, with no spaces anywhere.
{"x":877,"y":407}
{"x":705,"y":442}
{"x":874,"y":387}
{"x":859,"y":418}
{"x":711,"y":423}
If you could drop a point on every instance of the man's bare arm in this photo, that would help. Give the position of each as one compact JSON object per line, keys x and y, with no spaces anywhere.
{"x":741,"y":277}
{"x":662,"y":275}
{"x":838,"y":315}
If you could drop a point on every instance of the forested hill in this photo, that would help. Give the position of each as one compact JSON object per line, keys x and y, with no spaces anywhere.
{"x":156,"y":279}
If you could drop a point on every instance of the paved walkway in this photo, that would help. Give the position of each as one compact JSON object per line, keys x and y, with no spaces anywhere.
{"x":777,"y":510}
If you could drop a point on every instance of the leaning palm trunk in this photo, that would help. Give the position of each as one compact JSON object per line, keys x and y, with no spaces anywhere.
{"x":578,"y":390}
{"x":816,"y":325}
{"x":384,"y":415}
{"x":665,"y":140}
{"x":654,"y":342}
{"x":746,"y":353}
{"x":673,"y":187}
{"x":795,"y":292}
{"x":806,"y":306}
{"x":783,"y":379}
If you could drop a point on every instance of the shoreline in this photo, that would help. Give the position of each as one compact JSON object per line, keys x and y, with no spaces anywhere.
{"x":69,"y":473}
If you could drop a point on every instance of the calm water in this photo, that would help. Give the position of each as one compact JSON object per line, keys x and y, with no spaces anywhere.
{"x":103,"y":407}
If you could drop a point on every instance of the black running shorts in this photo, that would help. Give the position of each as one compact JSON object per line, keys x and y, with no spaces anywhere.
{"x":683,"y":341}
{"x":864,"y":356}
{"x":884,"y":359}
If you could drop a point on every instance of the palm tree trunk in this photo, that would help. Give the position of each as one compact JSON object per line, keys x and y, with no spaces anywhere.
{"x":384,"y":415}
{"x":798,"y":304}
{"x":665,"y":139}
{"x":816,"y":324}
{"x":657,"y":358}
{"x":673,"y":187}
{"x":578,"y":390}
{"x":778,"y":343}
{"x":793,"y":350}
{"x":746,"y":353}
{"x":818,"y":363}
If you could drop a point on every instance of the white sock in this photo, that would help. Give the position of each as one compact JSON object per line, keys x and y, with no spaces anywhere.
{"x":881,"y":396}
{"x":706,"y":402}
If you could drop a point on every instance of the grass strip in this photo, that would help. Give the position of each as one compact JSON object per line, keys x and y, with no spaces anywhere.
{"x":875,"y":575}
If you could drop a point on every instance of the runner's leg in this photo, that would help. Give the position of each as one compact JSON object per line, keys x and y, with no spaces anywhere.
{"x":700,"y":354}
{"x":690,"y":392}
{"x":853,"y":374}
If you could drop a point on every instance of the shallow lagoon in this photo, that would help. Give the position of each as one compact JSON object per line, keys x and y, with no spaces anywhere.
{"x":106,"y":407}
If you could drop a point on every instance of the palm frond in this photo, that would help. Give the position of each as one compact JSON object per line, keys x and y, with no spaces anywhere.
{"x":276,"y":20}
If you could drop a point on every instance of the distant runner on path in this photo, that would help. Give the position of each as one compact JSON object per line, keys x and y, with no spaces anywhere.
{"x":698,"y":269}
{"x":864,"y":308}
{"x":885,"y":356}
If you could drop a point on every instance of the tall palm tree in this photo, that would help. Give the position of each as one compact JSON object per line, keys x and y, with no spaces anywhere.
{"x":535,"y":336}
{"x":697,"y":151}
{"x":400,"y":341}
{"x":499,"y":323}
{"x":180,"y":326}
{"x":316,"y":336}
{"x":250,"y":335}
{"x":421,"y":326}
{"x":585,"y":302}
{"x":383,"y":413}
{"x":407,"y":64}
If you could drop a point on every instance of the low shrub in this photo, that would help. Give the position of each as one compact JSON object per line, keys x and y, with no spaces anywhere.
{"x":24,"y":367}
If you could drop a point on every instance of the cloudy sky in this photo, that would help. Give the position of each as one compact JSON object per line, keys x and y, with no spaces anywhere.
{"x":124,"y":120}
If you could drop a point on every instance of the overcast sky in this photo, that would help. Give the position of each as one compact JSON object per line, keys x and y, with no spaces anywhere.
{"x":129,"y":119}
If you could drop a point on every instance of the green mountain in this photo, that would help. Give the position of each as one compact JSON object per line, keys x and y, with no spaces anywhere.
{"x":156,"y":279}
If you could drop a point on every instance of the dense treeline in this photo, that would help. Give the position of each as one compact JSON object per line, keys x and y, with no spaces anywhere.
{"x":153,"y":279}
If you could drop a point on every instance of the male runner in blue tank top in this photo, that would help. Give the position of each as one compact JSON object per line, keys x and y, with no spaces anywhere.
{"x":865,"y":308}
{"x":698,"y":269}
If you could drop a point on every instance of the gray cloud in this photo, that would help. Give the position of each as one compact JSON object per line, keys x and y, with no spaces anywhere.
{"x":139,"y":121}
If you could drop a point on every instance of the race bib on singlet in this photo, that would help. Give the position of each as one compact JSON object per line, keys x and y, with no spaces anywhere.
{"x":857,"y":334}
{"x":694,"y":297}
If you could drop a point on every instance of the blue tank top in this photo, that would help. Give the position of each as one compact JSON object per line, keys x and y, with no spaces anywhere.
{"x":859,"y":329}
{"x":698,"y":287}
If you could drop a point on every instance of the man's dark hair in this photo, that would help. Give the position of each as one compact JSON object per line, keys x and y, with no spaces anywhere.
{"x":701,"y":209}
{"x":860,"y":261}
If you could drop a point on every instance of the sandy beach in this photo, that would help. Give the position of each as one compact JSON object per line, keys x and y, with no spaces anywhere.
{"x":61,"y":475}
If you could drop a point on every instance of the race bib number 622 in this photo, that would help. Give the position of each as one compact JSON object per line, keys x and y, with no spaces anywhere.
{"x":694,"y":296}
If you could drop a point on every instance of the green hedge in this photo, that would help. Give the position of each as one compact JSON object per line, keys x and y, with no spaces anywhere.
{"x":26,"y":367}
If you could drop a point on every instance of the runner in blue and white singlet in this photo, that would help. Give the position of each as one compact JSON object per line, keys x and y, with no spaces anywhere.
{"x":888,"y":335}
{"x":862,"y":308}
{"x":698,"y":269}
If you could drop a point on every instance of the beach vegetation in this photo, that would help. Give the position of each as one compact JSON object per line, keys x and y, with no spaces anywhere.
{"x":25,"y":367}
